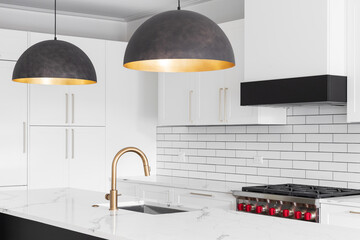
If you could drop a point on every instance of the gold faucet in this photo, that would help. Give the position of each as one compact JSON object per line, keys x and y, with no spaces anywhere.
{"x":113,"y":192}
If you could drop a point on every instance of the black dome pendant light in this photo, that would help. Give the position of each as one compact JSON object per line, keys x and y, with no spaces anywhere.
{"x":179,"y":41}
{"x":54,"y":62}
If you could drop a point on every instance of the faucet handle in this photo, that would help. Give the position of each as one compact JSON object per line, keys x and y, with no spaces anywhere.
{"x":107,"y":196}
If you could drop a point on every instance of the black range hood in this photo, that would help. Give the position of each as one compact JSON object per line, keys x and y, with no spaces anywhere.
{"x":326,"y":89}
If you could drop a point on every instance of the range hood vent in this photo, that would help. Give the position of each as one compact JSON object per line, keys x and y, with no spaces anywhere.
{"x":327,"y":89}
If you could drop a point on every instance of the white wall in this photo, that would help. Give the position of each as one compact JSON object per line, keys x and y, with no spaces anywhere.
{"x":67,"y":25}
{"x":219,"y":11}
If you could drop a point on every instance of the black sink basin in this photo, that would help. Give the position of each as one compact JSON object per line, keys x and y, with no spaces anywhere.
{"x":151,"y":209}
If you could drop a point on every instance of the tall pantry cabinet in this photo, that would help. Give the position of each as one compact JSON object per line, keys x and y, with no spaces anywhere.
{"x":13,"y":112}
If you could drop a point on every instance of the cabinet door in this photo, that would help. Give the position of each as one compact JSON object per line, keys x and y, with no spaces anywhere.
{"x":12,"y":44}
{"x":178,"y":98}
{"x":87,"y":106}
{"x":131,"y":112}
{"x":211,"y":98}
{"x":87,"y":158}
{"x":48,"y":157}
{"x":353,"y":58}
{"x":156,"y":194}
{"x":13,"y":109}
{"x":49,"y":104}
{"x":343,"y":216}
{"x":234,"y":112}
{"x":200,"y":199}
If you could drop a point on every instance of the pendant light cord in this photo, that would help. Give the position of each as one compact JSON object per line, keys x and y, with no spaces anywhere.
{"x":179,"y":7}
{"x":55,"y":21}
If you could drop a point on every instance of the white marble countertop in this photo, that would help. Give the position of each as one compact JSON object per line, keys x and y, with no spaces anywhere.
{"x":351,"y":201}
{"x":72,"y":209}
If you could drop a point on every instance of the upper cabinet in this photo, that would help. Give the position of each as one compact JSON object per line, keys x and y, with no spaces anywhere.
{"x":294,"y":38}
{"x":353,"y":58}
{"x":12,"y":44}
{"x":178,"y":98}
{"x":71,"y":105}
{"x":212,"y":98}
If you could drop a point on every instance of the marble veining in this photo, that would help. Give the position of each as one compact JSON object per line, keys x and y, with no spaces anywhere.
{"x":72,"y":209}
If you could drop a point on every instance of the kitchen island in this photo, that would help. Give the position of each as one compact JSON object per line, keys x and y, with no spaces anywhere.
{"x":72,"y":209}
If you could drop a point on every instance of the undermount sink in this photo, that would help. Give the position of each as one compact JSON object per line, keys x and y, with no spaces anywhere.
{"x":149,"y":209}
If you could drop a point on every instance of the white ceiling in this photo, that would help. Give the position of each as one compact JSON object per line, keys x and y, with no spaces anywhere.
{"x":121,"y":10}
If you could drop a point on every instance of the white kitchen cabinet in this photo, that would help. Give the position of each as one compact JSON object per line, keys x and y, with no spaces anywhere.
{"x":294,"y":38}
{"x":219,"y":91}
{"x":13,"y":128}
{"x":212,"y":98}
{"x":88,"y":101}
{"x":48,"y":154}
{"x":71,"y":105}
{"x":12,"y":44}
{"x":178,"y":98}
{"x":338,"y":215}
{"x":87,"y":160}
{"x":201,"y":199}
{"x":158,"y":194}
{"x":67,"y":157}
{"x":353,"y":58}
{"x":126,"y":188}
{"x":131,"y":113}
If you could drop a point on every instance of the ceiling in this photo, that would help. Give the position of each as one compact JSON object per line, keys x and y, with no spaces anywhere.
{"x":120,"y":10}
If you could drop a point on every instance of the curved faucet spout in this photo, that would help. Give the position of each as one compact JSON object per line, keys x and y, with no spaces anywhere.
{"x":113,"y":192}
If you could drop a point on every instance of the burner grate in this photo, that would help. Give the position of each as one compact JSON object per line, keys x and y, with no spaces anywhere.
{"x":306,"y":191}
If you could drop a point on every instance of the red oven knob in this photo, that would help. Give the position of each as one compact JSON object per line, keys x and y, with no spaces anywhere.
{"x":286,"y":213}
{"x":298,"y":215}
{"x":249,"y":208}
{"x":308,"y":216}
{"x":259,"y":209}
{"x":240,"y":207}
{"x":272,"y":211}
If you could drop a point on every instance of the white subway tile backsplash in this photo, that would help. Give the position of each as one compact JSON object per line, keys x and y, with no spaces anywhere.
{"x":319,"y":138}
{"x":333,"y":147}
{"x":339,"y":118}
{"x":319,"y":175}
{"x":354,"y":128}
{"x":218,"y":129}
{"x":306,"y":165}
{"x":320,"y":119}
{"x":333,"y":166}
{"x":246,"y":170}
{"x":235,"y":129}
{"x":305,"y":129}
{"x":269,"y":137}
{"x":308,"y":147}
{"x":281,"y":129}
{"x":334,"y":128}
{"x":293,"y":137}
{"x":281,"y":146}
{"x":347,"y":138}
{"x":257,"y":129}
{"x":319,"y":156}
{"x":235,"y":178}
{"x":280,"y":164}
{"x":347,"y":157}
{"x":293,"y":155}
{"x":293,"y":173}
{"x":294,"y":120}
{"x":316,"y":147}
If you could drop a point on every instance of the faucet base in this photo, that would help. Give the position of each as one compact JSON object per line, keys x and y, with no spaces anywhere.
{"x":113,"y":199}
